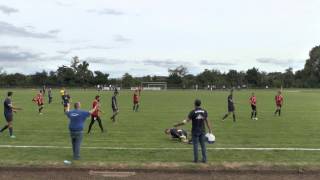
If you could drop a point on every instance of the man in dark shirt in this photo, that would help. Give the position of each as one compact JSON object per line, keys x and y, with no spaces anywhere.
{"x":77,"y":118}
{"x":114,"y":105}
{"x":231,"y":108}
{"x":199,"y":118}
{"x":50,"y":95}
{"x":8,"y":114}
{"x":66,"y":101}
{"x":175,"y":133}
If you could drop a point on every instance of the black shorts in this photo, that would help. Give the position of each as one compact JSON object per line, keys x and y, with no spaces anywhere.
{"x":40,"y":104}
{"x":9,"y":117}
{"x":65,"y":104}
{"x":279,"y":105}
{"x":114,"y":109}
{"x":230,"y":108}
{"x":253,"y":107}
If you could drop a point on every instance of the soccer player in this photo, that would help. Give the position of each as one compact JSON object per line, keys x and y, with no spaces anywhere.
{"x":231,"y":108}
{"x":114,"y":105}
{"x":66,"y":101}
{"x":40,"y":101}
{"x":95,"y":115}
{"x":9,"y":109}
{"x":44,"y":87}
{"x":50,"y":95}
{"x":199,"y":118}
{"x":253,"y":103}
{"x":135,"y":101}
{"x":279,"y":101}
{"x":175,"y":133}
{"x":62,"y":93}
{"x":77,"y":118}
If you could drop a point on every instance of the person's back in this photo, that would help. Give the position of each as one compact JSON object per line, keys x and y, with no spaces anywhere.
{"x":77,"y":118}
{"x":7,"y":108}
{"x":198,"y":116}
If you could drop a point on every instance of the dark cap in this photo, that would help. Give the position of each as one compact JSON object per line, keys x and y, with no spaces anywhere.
{"x":197,"y":102}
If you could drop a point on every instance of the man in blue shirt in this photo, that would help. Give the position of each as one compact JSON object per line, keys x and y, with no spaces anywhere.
{"x":9,"y":109}
{"x":77,"y":118}
{"x":199,"y":118}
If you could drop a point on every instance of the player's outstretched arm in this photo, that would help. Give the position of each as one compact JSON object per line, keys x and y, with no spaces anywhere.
{"x":182,"y":123}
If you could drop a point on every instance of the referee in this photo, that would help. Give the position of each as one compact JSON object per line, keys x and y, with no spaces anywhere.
{"x":199,"y":118}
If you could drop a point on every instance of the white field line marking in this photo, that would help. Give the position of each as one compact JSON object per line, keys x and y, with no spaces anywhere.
{"x":141,"y":148}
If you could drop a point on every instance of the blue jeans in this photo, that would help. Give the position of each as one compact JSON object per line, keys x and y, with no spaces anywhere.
{"x":76,"y":139}
{"x":196,"y":138}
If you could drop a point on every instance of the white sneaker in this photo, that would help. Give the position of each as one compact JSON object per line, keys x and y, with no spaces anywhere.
{"x":13,"y":136}
{"x":255,"y":118}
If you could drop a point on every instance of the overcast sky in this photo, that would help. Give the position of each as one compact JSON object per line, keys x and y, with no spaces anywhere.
{"x":148,"y":37}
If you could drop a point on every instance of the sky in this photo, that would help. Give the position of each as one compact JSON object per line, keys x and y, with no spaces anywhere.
{"x":145,"y":37}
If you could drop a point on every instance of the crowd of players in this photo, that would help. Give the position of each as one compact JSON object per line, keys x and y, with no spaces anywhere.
{"x":197,"y":116}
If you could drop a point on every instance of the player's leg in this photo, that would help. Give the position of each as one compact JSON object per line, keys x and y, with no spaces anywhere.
{"x":203,"y":148}
{"x":40,"y":108}
{"x":195,"y":141}
{"x":234,"y":116}
{"x":91,"y":123}
{"x":225,"y":116}
{"x":137,"y":107}
{"x":279,"y":110}
{"x":10,"y":127}
{"x":77,"y":144}
{"x":4,"y":128}
{"x":100,"y":123}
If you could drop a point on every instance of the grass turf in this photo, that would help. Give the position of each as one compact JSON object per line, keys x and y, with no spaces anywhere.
{"x":297,"y":127}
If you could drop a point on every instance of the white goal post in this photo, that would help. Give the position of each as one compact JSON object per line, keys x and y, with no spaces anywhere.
{"x":154,"y":86}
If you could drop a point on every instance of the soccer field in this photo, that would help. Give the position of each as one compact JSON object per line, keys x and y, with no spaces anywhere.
{"x":139,"y":137}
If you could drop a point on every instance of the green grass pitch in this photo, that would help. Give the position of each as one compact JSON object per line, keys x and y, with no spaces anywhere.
{"x":298,"y":127}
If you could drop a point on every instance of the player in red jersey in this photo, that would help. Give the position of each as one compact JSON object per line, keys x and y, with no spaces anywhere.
{"x":253,"y":103}
{"x":135,"y":101}
{"x":39,"y":100}
{"x":95,"y":115}
{"x":279,"y":101}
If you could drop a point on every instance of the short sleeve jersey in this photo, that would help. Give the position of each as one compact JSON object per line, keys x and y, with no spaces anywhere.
{"x":7,"y":107}
{"x":66,"y":98}
{"x":198,"y":117}
{"x":230,"y":101}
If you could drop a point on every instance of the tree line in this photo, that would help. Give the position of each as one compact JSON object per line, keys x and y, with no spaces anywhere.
{"x":78,"y":74}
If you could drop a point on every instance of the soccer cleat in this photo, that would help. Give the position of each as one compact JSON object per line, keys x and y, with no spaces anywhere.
{"x":12,"y":136}
{"x":256,"y":118}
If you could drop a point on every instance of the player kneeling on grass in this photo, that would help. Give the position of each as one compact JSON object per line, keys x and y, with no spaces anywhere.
{"x":199,"y":118}
{"x":77,"y":118}
{"x":39,"y":100}
{"x":177,"y":134}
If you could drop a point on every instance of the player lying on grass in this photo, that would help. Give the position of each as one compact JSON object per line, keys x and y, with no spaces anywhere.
{"x":253,"y":103}
{"x":114,"y":106}
{"x":9,"y":109}
{"x":95,"y":116}
{"x":279,"y":101}
{"x":39,"y":100}
{"x":77,"y":118}
{"x":177,"y":134}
